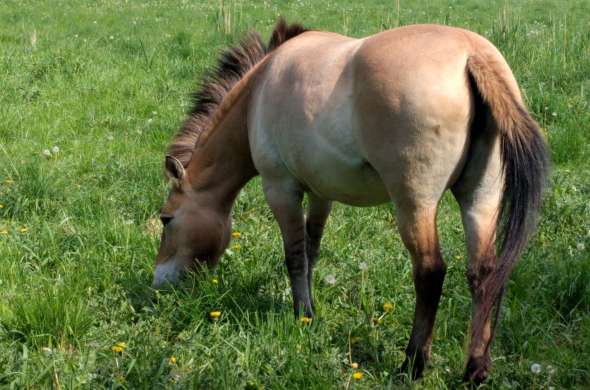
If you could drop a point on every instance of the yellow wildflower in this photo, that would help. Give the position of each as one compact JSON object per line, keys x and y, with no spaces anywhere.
{"x":23,"y":229}
{"x":215,"y":281}
{"x":357,"y":375}
{"x":236,"y":234}
{"x":354,"y":365}
{"x":119,"y":347}
{"x":236,"y":247}
{"x":215,"y":314}
{"x":1,"y":206}
{"x":306,"y":320}
{"x":387,"y":307}
{"x":172,"y":360}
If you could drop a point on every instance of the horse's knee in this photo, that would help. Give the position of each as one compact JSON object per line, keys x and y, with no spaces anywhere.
{"x":430,"y":274}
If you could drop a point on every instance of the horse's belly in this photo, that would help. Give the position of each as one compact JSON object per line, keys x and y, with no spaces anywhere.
{"x":349,"y":180}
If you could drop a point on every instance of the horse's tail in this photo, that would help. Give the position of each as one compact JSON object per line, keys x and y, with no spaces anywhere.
{"x":525,"y":163}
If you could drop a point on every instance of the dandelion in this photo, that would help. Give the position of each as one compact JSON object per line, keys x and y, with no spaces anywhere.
{"x":23,"y":229}
{"x":554,"y":114}
{"x":387,"y":307}
{"x":330,"y":279}
{"x":236,"y":234}
{"x":46,"y":152}
{"x":536,"y":368}
{"x":111,"y":37}
{"x":119,"y":347}
{"x":306,"y":320}
{"x":172,"y":360}
{"x":55,"y":150}
{"x":215,"y":314}
{"x":357,"y":375}
{"x":236,"y":247}
{"x":363,"y":266}
{"x":214,"y":281}
{"x":354,"y":365}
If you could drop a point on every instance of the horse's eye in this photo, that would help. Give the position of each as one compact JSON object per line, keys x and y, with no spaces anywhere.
{"x":165,"y":219}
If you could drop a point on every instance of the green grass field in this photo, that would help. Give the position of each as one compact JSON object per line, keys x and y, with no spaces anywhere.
{"x":108,"y":82}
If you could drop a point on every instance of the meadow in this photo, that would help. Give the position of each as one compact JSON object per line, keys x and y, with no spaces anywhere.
{"x":91,"y":92}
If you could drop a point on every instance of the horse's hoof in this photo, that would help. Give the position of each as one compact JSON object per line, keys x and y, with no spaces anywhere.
{"x":413,"y":366}
{"x":477,"y":370}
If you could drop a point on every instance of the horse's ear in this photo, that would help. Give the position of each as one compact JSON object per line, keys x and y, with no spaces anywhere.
{"x":174,"y":168}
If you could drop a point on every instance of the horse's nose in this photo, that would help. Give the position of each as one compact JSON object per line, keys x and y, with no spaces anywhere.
{"x":166,"y":273}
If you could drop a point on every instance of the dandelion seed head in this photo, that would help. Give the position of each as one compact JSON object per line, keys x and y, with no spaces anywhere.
{"x":46,"y":152}
{"x":536,"y":368}
{"x":330,"y":279}
{"x":363,"y":266}
{"x":55,"y":150}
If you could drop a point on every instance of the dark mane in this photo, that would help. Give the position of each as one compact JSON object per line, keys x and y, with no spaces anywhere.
{"x":232,"y":65}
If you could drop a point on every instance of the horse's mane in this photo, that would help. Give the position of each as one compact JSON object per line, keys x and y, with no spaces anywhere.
{"x":231,"y":66}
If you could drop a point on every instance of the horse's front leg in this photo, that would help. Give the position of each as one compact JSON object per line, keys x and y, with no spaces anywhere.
{"x":285,"y":200}
{"x":317,"y":213}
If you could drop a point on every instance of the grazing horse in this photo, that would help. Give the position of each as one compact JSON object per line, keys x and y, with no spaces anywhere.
{"x":401,"y":116}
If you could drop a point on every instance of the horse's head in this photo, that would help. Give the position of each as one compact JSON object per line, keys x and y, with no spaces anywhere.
{"x":195,"y":233}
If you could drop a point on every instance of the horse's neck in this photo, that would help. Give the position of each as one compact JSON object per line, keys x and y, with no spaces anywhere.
{"x":222,"y":164}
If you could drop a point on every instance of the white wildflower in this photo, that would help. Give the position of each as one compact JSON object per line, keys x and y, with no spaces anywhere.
{"x":46,"y":152}
{"x":330,"y":279}
{"x":553,"y":113}
{"x":363,"y":266}
{"x":536,"y":368}
{"x":55,"y":150}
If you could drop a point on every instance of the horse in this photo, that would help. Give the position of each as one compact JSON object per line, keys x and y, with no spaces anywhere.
{"x":400,"y":116}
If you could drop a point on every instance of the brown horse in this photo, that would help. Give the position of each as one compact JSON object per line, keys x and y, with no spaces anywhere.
{"x":399,"y":116}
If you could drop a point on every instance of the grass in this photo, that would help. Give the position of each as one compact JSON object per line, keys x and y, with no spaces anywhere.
{"x":108,"y":83}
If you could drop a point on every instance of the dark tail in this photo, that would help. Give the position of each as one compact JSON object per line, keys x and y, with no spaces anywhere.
{"x":525,"y":160}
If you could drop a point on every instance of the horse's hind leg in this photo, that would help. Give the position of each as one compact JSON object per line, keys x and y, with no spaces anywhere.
{"x":317,"y":214}
{"x":417,"y":225}
{"x":479,"y":193}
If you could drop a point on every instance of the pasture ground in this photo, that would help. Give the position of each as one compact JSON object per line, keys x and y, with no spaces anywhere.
{"x":108,"y":82}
